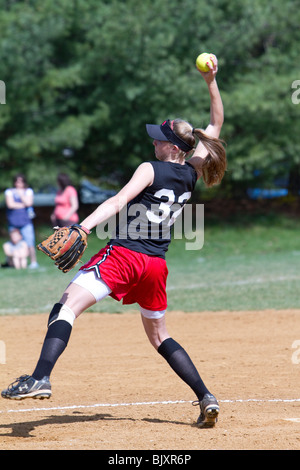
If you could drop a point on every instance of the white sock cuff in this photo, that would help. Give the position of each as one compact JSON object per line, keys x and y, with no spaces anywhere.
{"x":65,"y":313}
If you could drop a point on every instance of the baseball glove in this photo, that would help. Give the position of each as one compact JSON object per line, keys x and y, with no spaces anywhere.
{"x":65,"y":246}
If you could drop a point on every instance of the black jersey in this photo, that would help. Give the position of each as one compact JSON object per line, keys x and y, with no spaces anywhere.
{"x":145,"y":224}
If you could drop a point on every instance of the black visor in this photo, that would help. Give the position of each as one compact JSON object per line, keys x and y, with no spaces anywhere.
{"x":165,"y":133}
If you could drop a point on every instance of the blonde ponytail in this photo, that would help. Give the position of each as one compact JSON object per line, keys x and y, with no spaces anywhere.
{"x":215,"y":163}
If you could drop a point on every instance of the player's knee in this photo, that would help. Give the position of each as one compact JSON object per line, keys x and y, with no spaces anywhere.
{"x":60,"y":323}
{"x":61,"y":312}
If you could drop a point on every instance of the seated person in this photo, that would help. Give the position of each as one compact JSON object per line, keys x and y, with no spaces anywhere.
{"x":16,"y":250}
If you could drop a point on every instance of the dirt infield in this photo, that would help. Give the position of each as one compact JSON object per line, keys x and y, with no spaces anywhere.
{"x":111,"y":390}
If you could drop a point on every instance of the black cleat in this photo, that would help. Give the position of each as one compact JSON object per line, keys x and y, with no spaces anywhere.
{"x":27,"y":387}
{"x":209,"y":411}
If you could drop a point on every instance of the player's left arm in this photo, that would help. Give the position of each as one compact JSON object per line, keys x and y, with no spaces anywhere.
{"x":142,"y":178}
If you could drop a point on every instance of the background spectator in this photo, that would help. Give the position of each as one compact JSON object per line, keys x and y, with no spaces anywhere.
{"x":66,"y":203}
{"x":16,"y":250}
{"x":19,"y":204}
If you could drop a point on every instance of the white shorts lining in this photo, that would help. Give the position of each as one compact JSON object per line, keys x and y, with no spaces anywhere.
{"x":152,"y":314}
{"x":92,"y":283}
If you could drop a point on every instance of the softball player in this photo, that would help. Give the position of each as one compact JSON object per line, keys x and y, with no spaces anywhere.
{"x":132,"y":267}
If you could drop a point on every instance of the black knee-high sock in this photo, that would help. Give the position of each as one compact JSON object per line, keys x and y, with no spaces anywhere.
{"x":181,"y":363}
{"x":55,"y":342}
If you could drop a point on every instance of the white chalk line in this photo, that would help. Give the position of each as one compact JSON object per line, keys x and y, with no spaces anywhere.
{"x":147,"y":403}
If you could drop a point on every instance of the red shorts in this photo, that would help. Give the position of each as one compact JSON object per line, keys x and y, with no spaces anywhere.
{"x":132,"y":276}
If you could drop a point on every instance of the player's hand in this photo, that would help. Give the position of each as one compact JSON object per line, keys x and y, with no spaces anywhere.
{"x":213,"y":69}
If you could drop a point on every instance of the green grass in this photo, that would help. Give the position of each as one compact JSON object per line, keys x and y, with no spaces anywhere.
{"x":245,"y":264}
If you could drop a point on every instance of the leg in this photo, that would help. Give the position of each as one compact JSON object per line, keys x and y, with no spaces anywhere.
{"x":174,"y":354}
{"x":73,"y":302}
{"x":181,"y":363}
{"x":8,"y":253}
{"x":17,"y":262}
{"x":29,"y":236}
{"x":83,"y":292}
{"x":156,"y":330}
{"x":32,"y":256}
{"x":20,"y":257}
{"x":77,"y":298}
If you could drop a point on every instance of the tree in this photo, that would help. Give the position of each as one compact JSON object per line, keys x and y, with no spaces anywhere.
{"x":87,"y":75}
